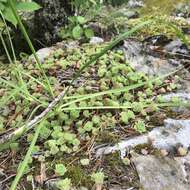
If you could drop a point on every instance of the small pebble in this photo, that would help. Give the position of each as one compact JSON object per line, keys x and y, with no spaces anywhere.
{"x":144,"y":151}
{"x":182,"y":151}
{"x":164,"y":152}
{"x":169,"y":89}
{"x":162,"y":90}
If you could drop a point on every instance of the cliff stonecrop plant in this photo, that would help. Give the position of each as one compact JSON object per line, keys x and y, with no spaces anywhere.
{"x":77,"y":29}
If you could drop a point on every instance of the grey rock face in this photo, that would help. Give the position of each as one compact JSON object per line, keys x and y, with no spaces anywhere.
{"x":143,"y":57}
{"x":96,"y":40}
{"x":135,"y":3}
{"x":42,"y":54}
{"x":143,"y":62}
{"x":163,"y":173}
{"x":185,"y":97}
{"x":183,"y":10}
{"x":172,"y":134}
{"x":177,"y":46}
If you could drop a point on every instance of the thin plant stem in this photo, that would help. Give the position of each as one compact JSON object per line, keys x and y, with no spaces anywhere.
{"x":9,"y":36}
{"x":26,"y":159}
{"x":5,"y":48}
{"x":30,"y":44}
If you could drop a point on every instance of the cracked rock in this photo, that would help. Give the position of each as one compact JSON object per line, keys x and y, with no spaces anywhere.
{"x":163,"y":173}
{"x":172,"y":134}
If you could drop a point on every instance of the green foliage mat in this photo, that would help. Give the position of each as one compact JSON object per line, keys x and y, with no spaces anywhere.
{"x":71,"y":130}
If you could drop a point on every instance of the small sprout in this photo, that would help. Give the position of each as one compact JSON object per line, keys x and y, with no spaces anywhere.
{"x":54,"y":150}
{"x":30,"y":137}
{"x":79,"y":123}
{"x":137,"y":106}
{"x":160,"y":99}
{"x":29,"y":178}
{"x":127,"y":96}
{"x":158,"y":82}
{"x":102,"y":71}
{"x":64,"y":148}
{"x":60,"y":169}
{"x":103,"y":86}
{"x":86,"y":113}
{"x":85,"y":162}
{"x":149,"y":92}
{"x":98,"y":178}
{"x":173,"y":86}
{"x":74,"y":114}
{"x":56,"y":134}
{"x":69,"y":137}
{"x":140,"y":126}
{"x":88,"y":126}
{"x":14,"y":146}
{"x":64,"y":184}
{"x":124,"y":117}
{"x":62,"y":116}
{"x":36,"y":149}
{"x":96,"y":119}
{"x":45,"y":132}
{"x":126,"y":161}
{"x":110,"y":102}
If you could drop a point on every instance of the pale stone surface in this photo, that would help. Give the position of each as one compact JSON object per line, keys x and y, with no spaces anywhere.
{"x":185,"y":97}
{"x":163,"y":173}
{"x":96,"y":40}
{"x":42,"y":54}
{"x":172,"y":134}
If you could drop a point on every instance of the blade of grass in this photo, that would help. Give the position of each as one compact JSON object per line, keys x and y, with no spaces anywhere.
{"x":9,"y":36}
{"x":166,"y":104}
{"x":118,"y":90}
{"x":11,"y":4}
{"x":34,"y":79}
{"x":26,"y":159}
{"x":23,"y":93}
{"x":5,"y":48}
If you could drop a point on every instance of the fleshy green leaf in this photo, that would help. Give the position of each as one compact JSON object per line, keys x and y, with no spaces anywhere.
{"x":77,"y":32}
{"x":8,"y":14}
{"x":60,"y":169}
{"x":27,"y":6}
{"x":89,"y":33}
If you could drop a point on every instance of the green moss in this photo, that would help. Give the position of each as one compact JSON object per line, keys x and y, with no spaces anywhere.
{"x":162,"y":6}
{"x":78,"y":176}
{"x":161,"y":25}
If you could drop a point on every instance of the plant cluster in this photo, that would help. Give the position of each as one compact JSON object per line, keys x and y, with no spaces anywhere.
{"x":76,"y":29}
{"x":88,"y":111}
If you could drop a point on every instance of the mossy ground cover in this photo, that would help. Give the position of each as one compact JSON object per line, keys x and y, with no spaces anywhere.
{"x":70,"y":133}
{"x":163,"y":6}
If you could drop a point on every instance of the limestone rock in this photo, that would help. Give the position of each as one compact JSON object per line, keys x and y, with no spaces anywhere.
{"x":96,"y":40}
{"x":168,"y":137}
{"x":42,"y":54}
{"x":163,"y":173}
